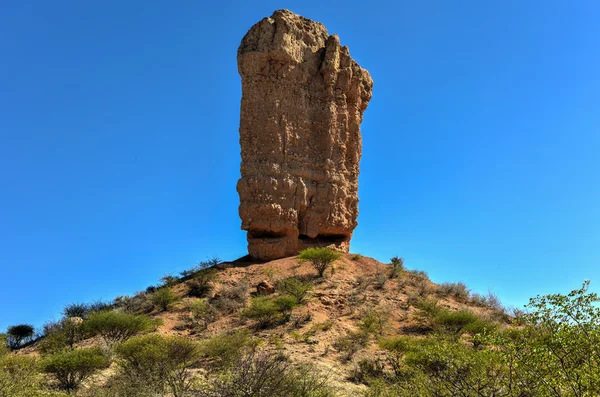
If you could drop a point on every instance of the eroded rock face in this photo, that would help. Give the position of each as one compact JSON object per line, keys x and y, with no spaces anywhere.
{"x":303,"y":99}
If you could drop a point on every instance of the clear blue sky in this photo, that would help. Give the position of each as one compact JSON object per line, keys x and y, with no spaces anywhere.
{"x":119,"y":146}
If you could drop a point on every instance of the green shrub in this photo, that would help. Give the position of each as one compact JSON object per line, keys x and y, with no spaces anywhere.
{"x":200,"y":285}
{"x":454,"y":323}
{"x":420,"y":280}
{"x":202,"y":265}
{"x":202,"y":313}
{"x":266,"y":311}
{"x":3,"y":345}
{"x":231,"y":298}
{"x":427,"y":309}
{"x":139,"y":303}
{"x":76,"y":310}
{"x":374,"y":322}
{"x":367,"y":370}
{"x":295,"y":287}
{"x":380,"y":279}
{"x":458,"y":291}
{"x":71,"y":368}
{"x":397,"y":264}
{"x":18,"y":335}
{"x":162,"y":361}
{"x":168,"y":280}
{"x":20,"y":377}
{"x":162,"y":298}
{"x":261,"y":373}
{"x":61,"y":335}
{"x":115,"y":326}
{"x":351,"y":343}
{"x":224,"y":349}
{"x":356,"y":257}
{"x":554,"y":352}
{"x":320,"y":257}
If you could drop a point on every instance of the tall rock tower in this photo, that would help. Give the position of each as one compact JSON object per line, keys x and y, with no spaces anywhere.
{"x":303,"y":100}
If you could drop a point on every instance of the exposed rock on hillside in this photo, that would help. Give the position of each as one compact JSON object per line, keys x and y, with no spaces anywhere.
{"x":303,"y":99}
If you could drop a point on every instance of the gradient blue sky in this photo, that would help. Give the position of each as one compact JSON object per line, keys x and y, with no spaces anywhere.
{"x":119,"y":146}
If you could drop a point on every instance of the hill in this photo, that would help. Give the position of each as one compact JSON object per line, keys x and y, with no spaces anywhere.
{"x":334,"y":324}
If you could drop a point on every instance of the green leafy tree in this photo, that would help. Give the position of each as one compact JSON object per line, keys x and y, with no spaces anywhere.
{"x":320,"y":257}
{"x":116,"y":326}
{"x":553,"y":353}
{"x":558,"y":349}
{"x":71,"y":368}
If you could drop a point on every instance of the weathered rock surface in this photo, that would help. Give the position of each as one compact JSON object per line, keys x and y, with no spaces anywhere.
{"x":303,"y":99}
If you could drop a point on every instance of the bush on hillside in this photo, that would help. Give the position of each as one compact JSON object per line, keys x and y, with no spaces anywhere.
{"x":75,"y":310}
{"x":458,"y":291}
{"x":200,"y":285}
{"x":20,"y":377}
{"x":71,"y":368}
{"x":296,"y":287}
{"x":116,"y":326}
{"x":262,"y":373}
{"x":397,"y":264}
{"x":202,"y":265}
{"x":230,"y":298}
{"x":61,"y":335}
{"x":162,"y":298}
{"x":266,"y":311}
{"x":319,"y":257}
{"x":161,"y":361}
{"x":351,"y":343}
{"x":139,"y":303}
{"x":3,"y":345}
{"x":374,"y":322}
{"x":221,"y":350}
{"x":18,"y":335}
{"x":202,"y":313}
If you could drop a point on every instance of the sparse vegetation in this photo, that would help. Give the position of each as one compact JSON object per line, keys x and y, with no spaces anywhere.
{"x":319,"y":257}
{"x":449,"y":343}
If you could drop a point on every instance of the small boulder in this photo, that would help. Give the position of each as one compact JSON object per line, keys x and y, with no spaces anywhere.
{"x":265,"y":288}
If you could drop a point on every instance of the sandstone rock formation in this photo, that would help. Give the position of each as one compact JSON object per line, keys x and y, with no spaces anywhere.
{"x":303,"y":99}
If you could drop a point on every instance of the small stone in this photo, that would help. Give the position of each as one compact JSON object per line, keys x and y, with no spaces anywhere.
{"x":265,"y":288}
